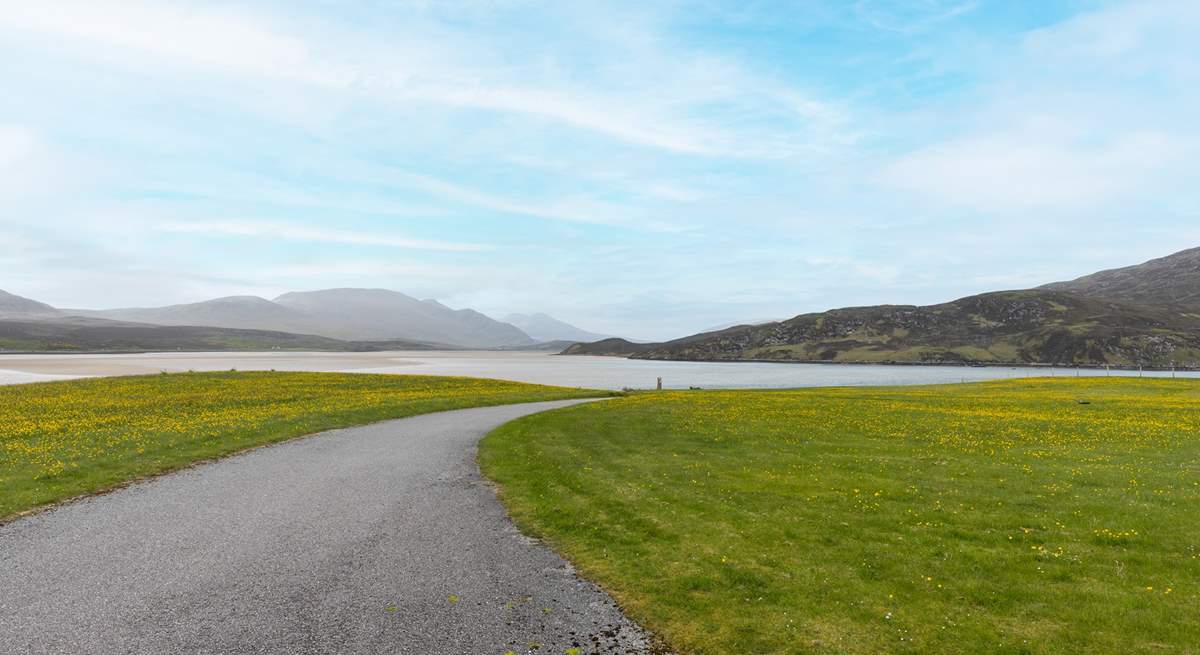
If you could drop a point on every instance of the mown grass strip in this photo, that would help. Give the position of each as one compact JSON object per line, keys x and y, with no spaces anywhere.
{"x":1035,"y":516}
{"x":63,"y":439}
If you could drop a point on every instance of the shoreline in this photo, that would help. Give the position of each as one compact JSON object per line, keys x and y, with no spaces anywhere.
{"x":301,"y":351}
{"x":1038,"y":365}
{"x":1014,"y":365}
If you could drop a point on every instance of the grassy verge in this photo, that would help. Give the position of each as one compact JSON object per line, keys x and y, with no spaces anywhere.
{"x":62,"y":439}
{"x":1036,"y":516}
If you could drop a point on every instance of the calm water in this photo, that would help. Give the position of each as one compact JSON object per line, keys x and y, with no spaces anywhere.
{"x":594,"y":372}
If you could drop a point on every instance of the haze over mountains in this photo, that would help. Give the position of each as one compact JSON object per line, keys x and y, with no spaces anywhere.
{"x":542,"y":327}
{"x":1139,"y":315}
{"x":336,"y":318}
{"x":352,"y":314}
{"x":1147,"y":314}
{"x":12,"y":306}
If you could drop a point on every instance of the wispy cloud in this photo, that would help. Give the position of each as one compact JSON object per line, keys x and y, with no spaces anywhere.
{"x":206,"y":37}
{"x":1075,"y":118}
{"x":15,"y":144}
{"x":294,"y":232}
{"x":651,"y":165}
{"x":1036,"y":170}
{"x":556,"y":210}
{"x":910,"y":17}
{"x":29,"y":167}
{"x":637,"y":111}
{"x":870,"y":270}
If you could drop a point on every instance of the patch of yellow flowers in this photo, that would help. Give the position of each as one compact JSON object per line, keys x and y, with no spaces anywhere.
{"x":50,"y":429}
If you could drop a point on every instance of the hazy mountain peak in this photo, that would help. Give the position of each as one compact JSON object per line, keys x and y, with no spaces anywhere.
{"x":344,"y":293}
{"x":12,"y":305}
{"x":347,"y":313}
{"x":543,"y":327}
{"x":237,"y":300}
{"x":386,"y":314}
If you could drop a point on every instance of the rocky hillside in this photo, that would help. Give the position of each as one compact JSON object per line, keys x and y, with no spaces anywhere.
{"x":1146,"y":315}
{"x":1004,"y":327}
{"x":1169,"y":281}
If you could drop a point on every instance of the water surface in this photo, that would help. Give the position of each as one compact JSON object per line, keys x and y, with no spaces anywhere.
{"x":542,"y":368}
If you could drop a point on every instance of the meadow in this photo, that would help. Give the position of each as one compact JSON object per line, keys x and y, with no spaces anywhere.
{"x":63,"y":439}
{"x":1032,"y":516}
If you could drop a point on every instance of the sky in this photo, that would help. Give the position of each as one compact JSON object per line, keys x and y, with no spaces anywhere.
{"x":641,"y":169}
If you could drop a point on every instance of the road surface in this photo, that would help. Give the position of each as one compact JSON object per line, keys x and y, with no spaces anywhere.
{"x":376,"y":539}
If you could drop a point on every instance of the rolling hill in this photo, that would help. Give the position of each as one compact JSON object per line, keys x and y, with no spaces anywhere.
{"x":88,"y":334}
{"x":13,"y":306}
{"x":1137,"y":316}
{"x":1172,"y":281}
{"x":611,"y":347}
{"x":242,"y":312}
{"x":338,"y":320}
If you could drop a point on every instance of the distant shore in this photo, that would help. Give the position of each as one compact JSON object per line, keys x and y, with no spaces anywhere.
{"x":1088,"y":367}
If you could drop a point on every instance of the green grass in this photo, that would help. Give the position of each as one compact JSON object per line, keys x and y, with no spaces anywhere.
{"x":63,"y":439}
{"x":1002,"y":517}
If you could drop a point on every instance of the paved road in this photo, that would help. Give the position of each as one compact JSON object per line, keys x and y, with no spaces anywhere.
{"x":378,"y":539}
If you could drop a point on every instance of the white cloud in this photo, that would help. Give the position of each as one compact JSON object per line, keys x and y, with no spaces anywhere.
{"x":16,"y":144}
{"x":651,"y":101}
{"x":208,"y":37}
{"x":1132,"y":35}
{"x":861,"y":268}
{"x":556,"y":211}
{"x":1091,"y":111}
{"x":674,"y":192}
{"x":32,"y":169}
{"x":1018,"y":170}
{"x":293,"y":232}
{"x":579,"y":208}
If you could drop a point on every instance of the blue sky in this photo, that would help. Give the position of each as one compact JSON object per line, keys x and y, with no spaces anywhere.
{"x":644,"y":169}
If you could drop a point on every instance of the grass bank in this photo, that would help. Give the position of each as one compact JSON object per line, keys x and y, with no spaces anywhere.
{"x":1033,"y":516}
{"x":62,"y":439}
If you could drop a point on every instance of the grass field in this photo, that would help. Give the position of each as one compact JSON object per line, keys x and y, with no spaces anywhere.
{"x":62,"y":439}
{"x":1002,"y":517}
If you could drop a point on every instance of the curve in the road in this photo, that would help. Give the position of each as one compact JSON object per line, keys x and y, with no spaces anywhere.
{"x":376,"y":539}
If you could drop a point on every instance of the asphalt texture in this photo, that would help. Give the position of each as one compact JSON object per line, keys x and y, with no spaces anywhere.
{"x":376,"y":539}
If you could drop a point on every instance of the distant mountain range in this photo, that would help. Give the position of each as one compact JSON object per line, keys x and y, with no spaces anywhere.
{"x":541,"y":327}
{"x":335,"y":319}
{"x":1147,"y":314}
{"x":1140,"y":315}
{"x":357,"y":314}
{"x":86,"y":334}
